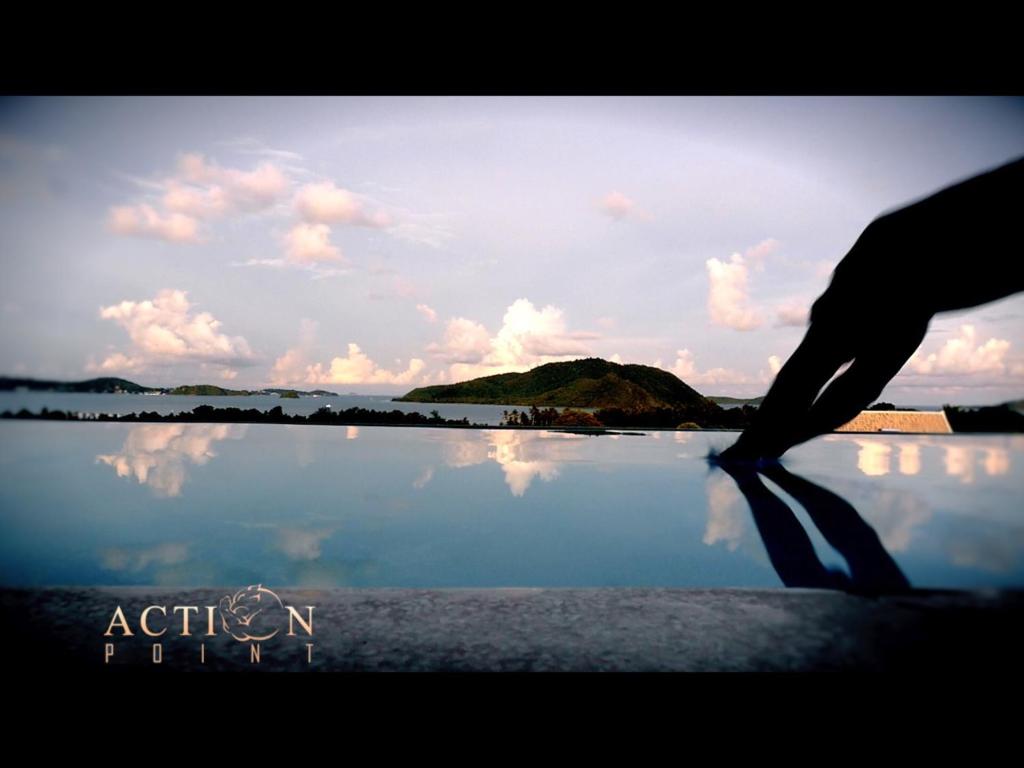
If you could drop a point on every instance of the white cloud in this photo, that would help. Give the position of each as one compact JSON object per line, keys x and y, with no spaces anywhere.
{"x":465,"y":341}
{"x":440,"y":376}
{"x":685,"y":368}
{"x":118,"y":362}
{"x":146,"y":221}
{"x":963,"y":355}
{"x":528,"y":337}
{"x":728,"y":302}
{"x":291,"y":366}
{"x":326,"y":203}
{"x":310,"y":244}
{"x":357,"y":368}
{"x":792,"y":314}
{"x":756,"y":254}
{"x":165,"y":329}
{"x":618,"y":206}
{"x":244,"y":191}
{"x":428,"y":312}
{"x":774,"y":364}
{"x":200,"y":190}
{"x":194,"y":201}
{"x":178,"y":207}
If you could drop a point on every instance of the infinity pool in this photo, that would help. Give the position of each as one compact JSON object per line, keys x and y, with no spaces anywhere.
{"x":195,"y":505}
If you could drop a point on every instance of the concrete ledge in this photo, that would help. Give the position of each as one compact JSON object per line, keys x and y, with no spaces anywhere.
{"x":531,"y":630}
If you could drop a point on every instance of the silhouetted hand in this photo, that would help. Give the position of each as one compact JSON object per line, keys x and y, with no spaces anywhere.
{"x":953,"y":250}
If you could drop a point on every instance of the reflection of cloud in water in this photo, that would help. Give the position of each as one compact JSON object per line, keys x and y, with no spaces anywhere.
{"x":303,"y":440}
{"x":993,"y":553}
{"x":167,"y":564}
{"x":727,"y":512}
{"x":965,"y":533}
{"x":523,"y":456}
{"x":323,"y":574}
{"x":424,"y":477}
{"x":510,"y":451}
{"x":873,"y":457}
{"x":351,"y":433}
{"x":895,"y":515}
{"x":910,"y":458}
{"x":465,"y":451}
{"x":157,"y":454}
{"x":683,"y":438}
{"x":118,"y":559}
{"x":299,"y":544}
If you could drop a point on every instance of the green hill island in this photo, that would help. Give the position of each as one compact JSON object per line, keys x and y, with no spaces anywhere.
{"x":617,"y":395}
{"x":588,"y":383}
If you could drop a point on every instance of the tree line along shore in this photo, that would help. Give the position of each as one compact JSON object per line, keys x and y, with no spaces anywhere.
{"x":999,"y":418}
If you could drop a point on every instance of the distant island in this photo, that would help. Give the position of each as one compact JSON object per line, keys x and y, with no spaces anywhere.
{"x":208,"y":390}
{"x":107,"y":385}
{"x":301,"y":393}
{"x":587,"y":383}
{"x":609,"y":394}
{"x":207,"y":414}
{"x":619,"y":395}
{"x":113,"y":385}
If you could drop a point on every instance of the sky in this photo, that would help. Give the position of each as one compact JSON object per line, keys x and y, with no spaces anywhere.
{"x":372,"y":245}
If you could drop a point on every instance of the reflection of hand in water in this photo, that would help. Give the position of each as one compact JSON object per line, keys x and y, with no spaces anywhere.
{"x":905,"y":267}
{"x":789,"y":548}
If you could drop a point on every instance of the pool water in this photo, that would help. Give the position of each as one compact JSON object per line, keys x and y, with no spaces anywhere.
{"x":198,"y":505}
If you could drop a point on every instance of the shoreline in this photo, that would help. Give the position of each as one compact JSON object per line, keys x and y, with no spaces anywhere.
{"x":188,"y":418}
